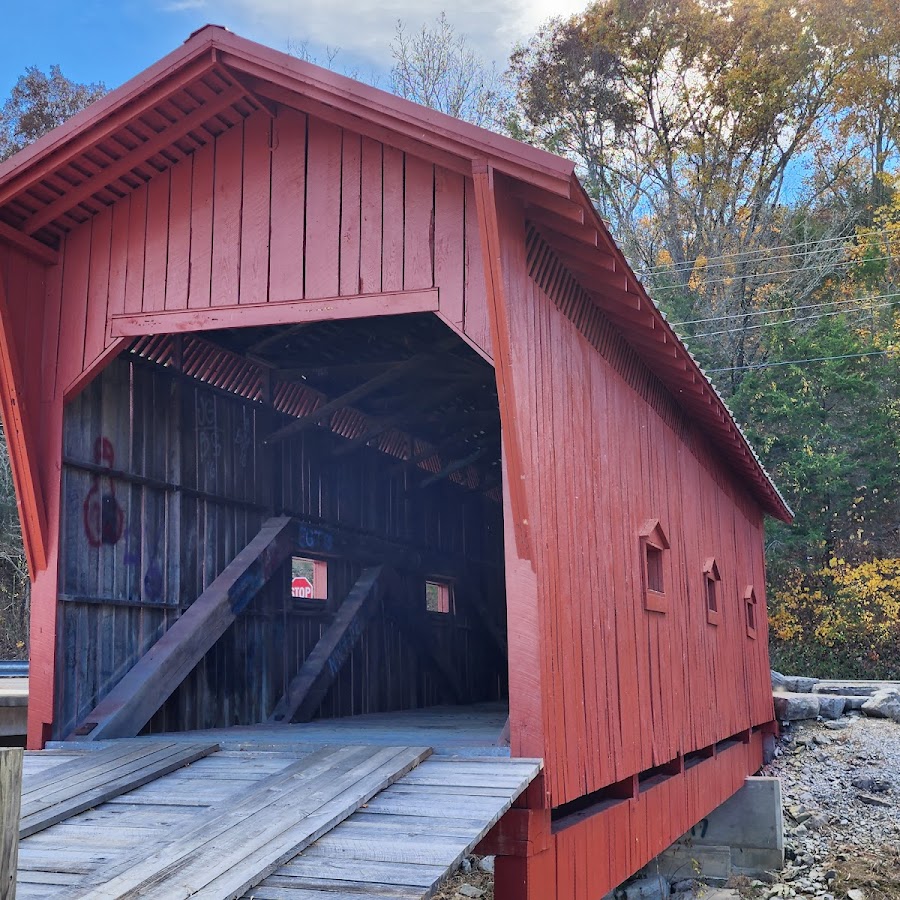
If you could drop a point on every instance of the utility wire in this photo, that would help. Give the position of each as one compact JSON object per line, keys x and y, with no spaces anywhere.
{"x":772,"y":312}
{"x":775,"y":250}
{"x":795,"y":362}
{"x":838,"y":312}
{"x":754,"y":275}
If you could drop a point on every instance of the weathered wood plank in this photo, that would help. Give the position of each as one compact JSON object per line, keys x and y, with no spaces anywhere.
{"x":88,"y":782}
{"x":308,"y":688}
{"x":234,"y":850}
{"x":10,"y":791}
{"x":130,"y":704}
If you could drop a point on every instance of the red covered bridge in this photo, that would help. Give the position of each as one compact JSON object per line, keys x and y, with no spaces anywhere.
{"x":253,"y":312}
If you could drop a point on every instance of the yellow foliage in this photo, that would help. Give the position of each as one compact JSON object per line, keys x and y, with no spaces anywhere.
{"x":842,"y":603}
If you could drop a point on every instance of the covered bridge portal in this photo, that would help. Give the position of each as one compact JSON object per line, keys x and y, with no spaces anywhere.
{"x":320,"y":403}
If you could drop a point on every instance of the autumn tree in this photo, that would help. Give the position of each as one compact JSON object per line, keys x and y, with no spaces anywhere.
{"x":696,"y":124}
{"x":38,"y":103}
{"x":437,"y":67}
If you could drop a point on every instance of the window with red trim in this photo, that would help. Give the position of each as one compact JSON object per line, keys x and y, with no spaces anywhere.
{"x":654,"y":547}
{"x":711,"y":579}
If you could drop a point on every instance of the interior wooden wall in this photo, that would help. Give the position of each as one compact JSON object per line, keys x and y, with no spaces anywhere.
{"x":624,"y":689}
{"x":194,"y":483}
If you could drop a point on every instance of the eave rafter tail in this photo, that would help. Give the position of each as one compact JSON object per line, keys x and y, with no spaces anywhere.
{"x":497,"y":297}
{"x":100,"y":120}
{"x":134,"y":158}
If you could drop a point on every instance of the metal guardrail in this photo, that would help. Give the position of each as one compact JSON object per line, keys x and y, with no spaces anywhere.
{"x":13,"y":668}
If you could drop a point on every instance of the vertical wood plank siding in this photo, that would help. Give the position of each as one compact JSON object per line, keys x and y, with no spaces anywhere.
{"x":193,"y":484}
{"x":291,"y":208}
{"x":240,"y":222}
{"x":624,"y":689}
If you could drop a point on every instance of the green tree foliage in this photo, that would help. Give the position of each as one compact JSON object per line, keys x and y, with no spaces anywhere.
{"x":744,"y":152}
{"x":697,"y":125}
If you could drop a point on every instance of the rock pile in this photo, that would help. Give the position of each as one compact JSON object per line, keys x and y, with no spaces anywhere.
{"x":798,"y":699}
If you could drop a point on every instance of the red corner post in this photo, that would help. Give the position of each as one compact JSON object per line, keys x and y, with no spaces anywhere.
{"x":523,"y":847}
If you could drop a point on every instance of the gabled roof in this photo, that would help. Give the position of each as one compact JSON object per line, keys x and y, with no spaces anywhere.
{"x":216,"y":79}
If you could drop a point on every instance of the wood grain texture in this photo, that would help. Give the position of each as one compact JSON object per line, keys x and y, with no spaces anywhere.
{"x":10,"y":792}
{"x":84,"y":783}
{"x":134,"y":699}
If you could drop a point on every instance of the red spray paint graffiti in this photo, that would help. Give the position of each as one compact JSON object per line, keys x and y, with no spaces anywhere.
{"x":104,"y":520}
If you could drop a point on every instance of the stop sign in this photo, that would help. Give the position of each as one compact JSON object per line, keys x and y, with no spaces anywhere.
{"x":301,"y":588}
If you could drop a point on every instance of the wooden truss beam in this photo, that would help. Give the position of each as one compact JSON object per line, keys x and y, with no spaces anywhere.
{"x":309,"y":686}
{"x":453,"y":466}
{"x":408,"y":367}
{"x":407,"y":416}
{"x":144,"y":689}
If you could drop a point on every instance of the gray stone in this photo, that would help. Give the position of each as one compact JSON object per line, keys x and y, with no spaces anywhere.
{"x":798,"y":684}
{"x":777,"y":681}
{"x":468,"y":890}
{"x":883,"y":704}
{"x":871,"y":800}
{"x":854,"y":703}
{"x":831,"y":707}
{"x":796,"y":707}
{"x":652,"y":887}
{"x":837,"y":725}
{"x":871,"y":785}
{"x":486,"y":864}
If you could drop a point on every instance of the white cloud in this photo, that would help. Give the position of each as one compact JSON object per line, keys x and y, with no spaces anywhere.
{"x":363,"y":29}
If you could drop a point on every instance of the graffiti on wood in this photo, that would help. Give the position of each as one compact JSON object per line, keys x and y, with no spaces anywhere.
{"x":104,"y":520}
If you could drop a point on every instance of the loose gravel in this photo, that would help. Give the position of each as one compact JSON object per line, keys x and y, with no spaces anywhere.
{"x":841,"y":791}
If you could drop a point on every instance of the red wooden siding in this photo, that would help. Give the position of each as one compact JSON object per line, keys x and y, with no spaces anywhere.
{"x":239,"y":222}
{"x":624,"y":689}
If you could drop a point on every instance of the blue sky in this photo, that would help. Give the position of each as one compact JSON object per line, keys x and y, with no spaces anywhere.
{"x":111,"y":41}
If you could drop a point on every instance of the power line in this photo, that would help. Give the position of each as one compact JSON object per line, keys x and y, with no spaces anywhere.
{"x":837,"y":265}
{"x":824,"y":315}
{"x":775,"y":250}
{"x":795,"y":362}
{"x":772,"y":312}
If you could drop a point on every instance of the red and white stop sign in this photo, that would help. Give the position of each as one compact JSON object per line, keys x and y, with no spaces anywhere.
{"x":301,"y":588}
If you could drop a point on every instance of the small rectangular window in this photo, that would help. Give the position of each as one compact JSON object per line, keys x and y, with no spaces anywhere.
{"x":309,"y":579}
{"x":711,"y":581}
{"x":438,"y":597}
{"x":655,"y":569}
{"x":750,"y":606}
{"x":654,"y":546}
{"x":712,"y":603}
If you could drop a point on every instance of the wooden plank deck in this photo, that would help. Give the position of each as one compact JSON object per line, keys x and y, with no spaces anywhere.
{"x":76,"y":785}
{"x":294,"y":821}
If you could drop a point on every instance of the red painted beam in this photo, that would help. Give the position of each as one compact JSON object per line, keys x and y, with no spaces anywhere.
{"x":23,"y":448}
{"x":28,"y":245}
{"x":494,"y":275}
{"x":286,"y":312}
